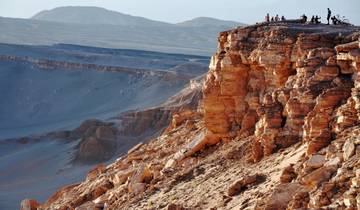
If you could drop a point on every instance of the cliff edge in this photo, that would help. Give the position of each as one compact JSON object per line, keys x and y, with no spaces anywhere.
{"x":277,"y":128}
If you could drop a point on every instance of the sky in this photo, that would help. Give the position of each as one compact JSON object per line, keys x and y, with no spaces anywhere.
{"x":173,"y":11}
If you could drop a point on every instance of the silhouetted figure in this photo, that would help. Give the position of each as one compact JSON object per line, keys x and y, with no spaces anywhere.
{"x":303,"y":18}
{"x":334,"y":20}
{"x":317,"y":19}
{"x":312,"y":19}
{"x":272,"y":19}
{"x":328,"y":16}
{"x":277,"y":18}
{"x":267,"y":17}
{"x":283,"y":18}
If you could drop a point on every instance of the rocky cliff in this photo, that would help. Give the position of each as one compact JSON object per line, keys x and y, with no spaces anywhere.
{"x":283,"y":84}
{"x":278,"y":128}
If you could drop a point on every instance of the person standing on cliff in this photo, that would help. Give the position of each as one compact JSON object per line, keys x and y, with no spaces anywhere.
{"x":267,"y":17}
{"x":303,"y":18}
{"x":277,"y":18}
{"x":328,"y":16}
{"x":312,"y":19}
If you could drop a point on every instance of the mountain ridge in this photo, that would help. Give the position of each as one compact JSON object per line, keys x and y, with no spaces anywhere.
{"x":208,"y":21}
{"x":85,"y":14}
{"x":167,"y":39}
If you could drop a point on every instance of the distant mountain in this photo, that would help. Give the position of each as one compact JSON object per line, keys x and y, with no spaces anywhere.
{"x":93,"y":15}
{"x":98,"y":27}
{"x":209,"y":22}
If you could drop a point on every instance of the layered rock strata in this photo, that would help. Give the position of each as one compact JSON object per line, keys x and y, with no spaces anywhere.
{"x":282,"y":83}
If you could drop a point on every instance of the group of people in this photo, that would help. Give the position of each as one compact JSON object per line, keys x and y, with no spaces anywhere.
{"x":274,"y":19}
{"x":315,"y":19}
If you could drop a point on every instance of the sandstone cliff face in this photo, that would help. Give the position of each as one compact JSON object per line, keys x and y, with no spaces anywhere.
{"x":277,"y":128}
{"x":282,"y":84}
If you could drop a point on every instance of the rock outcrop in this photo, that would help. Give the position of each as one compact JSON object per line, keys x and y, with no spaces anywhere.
{"x":282,"y":84}
{"x":280,"y":100}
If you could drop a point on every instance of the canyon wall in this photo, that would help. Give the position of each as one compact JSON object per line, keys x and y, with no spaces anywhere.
{"x":283,"y":84}
{"x":277,"y":128}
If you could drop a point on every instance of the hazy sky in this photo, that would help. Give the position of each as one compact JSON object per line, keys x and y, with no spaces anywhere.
{"x":249,"y":11}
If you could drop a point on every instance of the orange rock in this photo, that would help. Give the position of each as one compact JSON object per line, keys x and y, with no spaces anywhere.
{"x":288,"y":174}
{"x":61,"y":192}
{"x":347,"y":47}
{"x":282,"y":195}
{"x":96,"y":171}
{"x":139,"y":178}
{"x":241,"y":184}
{"x":318,"y":176}
{"x":29,"y":204}
{"x":257,"y":151}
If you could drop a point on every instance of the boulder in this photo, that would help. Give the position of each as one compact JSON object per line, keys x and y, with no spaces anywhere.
{"x":318,"y":176}
{"x":282,"y":195}
{"x":257,"y":151}
{"x":349,"y":148}
{"x":315,"y":161}
{"x":288,"y":174}
{"x":96,"y":171}
{"x":120,"y":177}
{"x":243,"y":183}
{"x":29,"y":204}
{"x":61,"y":192}
{"x":357,"y":140}
{"x":333,"y":162}
{"x":170,"y":164}
{"x":355,"y":181}
{"x":300,"y":200}
{"x":139,"y":178}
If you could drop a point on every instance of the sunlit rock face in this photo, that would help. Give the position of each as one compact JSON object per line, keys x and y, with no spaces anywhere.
{"x":283,"y":84}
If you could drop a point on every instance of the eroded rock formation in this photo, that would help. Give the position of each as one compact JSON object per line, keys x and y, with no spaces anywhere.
{"x":280,"y":100}
{"x":282,"y":84}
